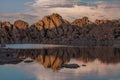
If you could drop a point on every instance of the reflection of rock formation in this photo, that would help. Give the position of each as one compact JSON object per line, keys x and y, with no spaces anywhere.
{"x":50,"y":61}
{"x":54,"y":58}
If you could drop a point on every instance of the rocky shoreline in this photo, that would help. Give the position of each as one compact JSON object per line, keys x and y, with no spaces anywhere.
{"x":54,"y":28}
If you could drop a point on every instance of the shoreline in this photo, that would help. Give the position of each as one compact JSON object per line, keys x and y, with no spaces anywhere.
{"x":48,"y":44}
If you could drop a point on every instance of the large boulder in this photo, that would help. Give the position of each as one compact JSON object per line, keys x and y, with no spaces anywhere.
{"x":81,"y":22}
{"x":6,"y":24}
{"x":50,"y":22}
{"x":21,"y":24}
{"x":58,"y":20}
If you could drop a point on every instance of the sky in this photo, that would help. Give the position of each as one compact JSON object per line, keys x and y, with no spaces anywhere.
{"x":33,"y":10}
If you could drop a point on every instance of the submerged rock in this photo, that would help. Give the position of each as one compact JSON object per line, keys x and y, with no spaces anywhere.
{"x":28,"y":61}
{"x":70,"y":65}
{"x":84,"y":65}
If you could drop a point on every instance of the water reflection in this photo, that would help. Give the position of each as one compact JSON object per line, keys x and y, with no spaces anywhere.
{"x":59,"y":58}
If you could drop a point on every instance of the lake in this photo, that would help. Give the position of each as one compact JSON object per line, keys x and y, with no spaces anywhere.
{"x":59,"y":62}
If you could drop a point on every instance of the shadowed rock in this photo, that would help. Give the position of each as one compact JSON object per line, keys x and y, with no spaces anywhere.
{"x":28,"y":61}
{"x":10,"y":61}
{"x":71,"y":66}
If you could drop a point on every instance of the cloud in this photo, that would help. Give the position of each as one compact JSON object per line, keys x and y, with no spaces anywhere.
{"x":16,"y":16}
{"x":91,"y":12}
{"x":51,"y":4}
{"x":55,"y":3}
{"x":71,"y":9}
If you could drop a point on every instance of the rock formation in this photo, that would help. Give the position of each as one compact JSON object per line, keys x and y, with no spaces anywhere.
{"x":50,"y":22}
{"x":55,"y":28}
{"x":21,"y":24}
{"x":81,"y":22}
{"x":6,"y":24}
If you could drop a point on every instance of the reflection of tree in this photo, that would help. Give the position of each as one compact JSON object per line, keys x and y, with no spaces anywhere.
{"x":54,"y":58}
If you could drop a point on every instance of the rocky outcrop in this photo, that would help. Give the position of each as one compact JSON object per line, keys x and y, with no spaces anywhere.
{"x":50,"y":22}
{"x":109,"y":22}
{"x":81,"y":22}
{"x":6,"y":24}
{"x":21,"y":24}
{"x":50,"y":27}
{"x":55,"y":28}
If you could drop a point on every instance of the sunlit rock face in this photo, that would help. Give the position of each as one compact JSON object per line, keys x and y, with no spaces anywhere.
{"x":55,"y":58}
{"x":50,"y":27}
{"x":21,"y":24}
{"x":6,"y":24}
{"x":49,"y":22}
{"x":81,"y":22}
{"x":20,"y":31}
{"x":54,"y":28}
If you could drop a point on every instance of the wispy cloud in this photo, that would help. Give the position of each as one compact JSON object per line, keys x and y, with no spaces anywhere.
{"x":22,"y":16}
{"x":71,"y":9}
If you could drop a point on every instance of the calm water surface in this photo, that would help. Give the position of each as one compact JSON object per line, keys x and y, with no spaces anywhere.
{"x":57,"y":62}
